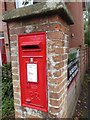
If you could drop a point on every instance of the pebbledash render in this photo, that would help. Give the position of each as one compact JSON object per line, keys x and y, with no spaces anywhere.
{"x":54,"y":20}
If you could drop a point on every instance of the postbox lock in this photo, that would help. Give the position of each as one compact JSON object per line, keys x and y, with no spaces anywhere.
{"x":31,"y":59}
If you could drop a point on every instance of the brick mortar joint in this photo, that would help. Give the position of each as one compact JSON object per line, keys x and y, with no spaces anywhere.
{"x":59,"y":90}
{"x":40,"y":24}
{"x":56,"y":106}
{"x":57,"y":85}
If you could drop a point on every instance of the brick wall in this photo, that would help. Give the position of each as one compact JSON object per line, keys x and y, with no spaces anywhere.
{"x":4,"y":26}
{"x":75,"y":87}
{"x":1,"y":10}
{"x":10,"y":5}
{"x":78,"y":27}
{"x":57,"y":55}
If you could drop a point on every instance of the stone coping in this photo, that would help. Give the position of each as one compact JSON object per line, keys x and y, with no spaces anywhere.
{"x":39,"y":9}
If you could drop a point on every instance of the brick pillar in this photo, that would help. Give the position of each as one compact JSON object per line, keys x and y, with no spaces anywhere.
{"x":57,"y":72}
{"x":57,"y":56}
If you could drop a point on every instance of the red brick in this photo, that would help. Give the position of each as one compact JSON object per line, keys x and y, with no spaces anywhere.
{"x":55,"y":102}
{"x":57,"y":88}
{"x":42,"y":27}
{"x":53,"y":18}
{"x":61,"y":21}
{"x":17,"y":106}
{"x":55,"y":26}
{"x":57,"y":58}
{"x":17,"y":30}
{"x":16,"y":101}
{"x":57,"y":80}
{"x":14,"y":52}
{"x":49,"y":74}
{"x":35,"y":22}
{"x":14,"y":38}
{"x":14,"y":46}
{"x":14,"y":64}
{"x":31,"y":117}
{"x":54,"y":110}
{"x":18,"y":114}
{"x":15,"y":70}
{"x":15,"y":83}
{"x":16,"y":89}
{"x":13,"y":58}
{"x":57,"y":74}
{"x":57,"y":95}
{"x":59,"y":50}
{"x":54,"y":95}
{"x":49,"y":66}
{"x":15,"y":77}
{"x":16,"y":95}
{"x":56,"y":50}
{"x":65,"y":56}
{"x":66,"y":50}
{"x":59,"y":65}
{"x":55,"y":43}
{"x":48,"y":27}
{"x":55,"y":35}
{"x":10,"y":5}
{"x":15,"y":24}
{"x":53,"y":88}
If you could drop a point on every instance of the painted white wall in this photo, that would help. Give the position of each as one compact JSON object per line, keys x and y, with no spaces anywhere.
{"x":19,"y":3}
{"x":0,"y":59}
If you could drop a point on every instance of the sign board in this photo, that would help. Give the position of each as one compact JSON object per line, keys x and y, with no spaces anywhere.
{"x":73,"y":65}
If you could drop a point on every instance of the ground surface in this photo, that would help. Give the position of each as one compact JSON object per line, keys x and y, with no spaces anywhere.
{"x":83,"y":104}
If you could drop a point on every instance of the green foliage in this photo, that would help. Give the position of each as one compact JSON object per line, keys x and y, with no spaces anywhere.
{"x":72,"y":56}
{"x":87,"y":37}
{"x":7,"y":92}
{"x":87,"y":24}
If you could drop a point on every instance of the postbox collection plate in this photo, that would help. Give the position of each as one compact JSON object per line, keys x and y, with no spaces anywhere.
{"x":32,"y":64}
{"x":32,"y":72}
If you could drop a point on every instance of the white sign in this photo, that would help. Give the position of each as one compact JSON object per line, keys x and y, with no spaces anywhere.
{"x":23,"y":3}
{"x":32,"y":72}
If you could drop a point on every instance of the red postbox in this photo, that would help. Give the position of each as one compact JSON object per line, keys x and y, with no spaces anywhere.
{"x":3,"y":51}
{"x":32,"y":62}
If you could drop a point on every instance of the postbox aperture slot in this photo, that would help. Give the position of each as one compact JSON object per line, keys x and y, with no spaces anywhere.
{"x":31,"y":46}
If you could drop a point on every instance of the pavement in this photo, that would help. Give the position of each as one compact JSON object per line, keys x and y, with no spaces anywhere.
{"x":83,"y":105}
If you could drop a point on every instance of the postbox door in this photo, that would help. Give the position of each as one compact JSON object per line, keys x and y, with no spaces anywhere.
{"x":33,"y":74}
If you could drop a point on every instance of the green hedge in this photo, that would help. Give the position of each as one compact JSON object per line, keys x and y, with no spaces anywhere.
{"x":7,"y":92}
